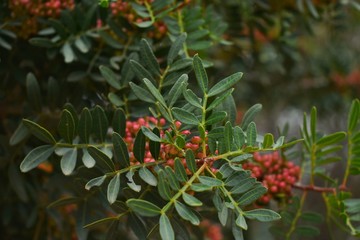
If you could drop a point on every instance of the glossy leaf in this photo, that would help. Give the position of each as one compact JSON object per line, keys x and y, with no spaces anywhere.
{"x":39,"y":132}
{"x":191,"y":200}
{"x":224,"y":84}
{"x":85,"y":125}
{"x":103,"y":161}
{"x":110,"y":77}
{"x":175,"y":48}
{"x":33,"y":92}
{"x":251,"y":134}
{"x":113,"y":188}
{"x":180,"y":171}
{"x":149,"y":58}
{"x":190,"y":160}
{"x":165,"y":228}
{"x":95,"y":182}
{"x":185,"y":116}
{"x":120,"y":150}
{"x":143,"y":207}
{"x":154,"y":145}
{"x":100,"y":123}
{"x":212,"y":182}
{"x":200,"y":73}
{"x":139,"y":146}
{"x":177,"y":89}
{"x":186,"y":213}
{"x":147,"y":176}
{"x":66,"y":126}
{"x":250,"y":115}
{"x":262,"y":215}
{"x":68,"y":161}
{"x":35,"y":157}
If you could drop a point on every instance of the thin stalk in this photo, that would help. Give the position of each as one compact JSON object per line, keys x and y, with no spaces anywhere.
{"x":182,"y":29}
{"x":297,"y":216}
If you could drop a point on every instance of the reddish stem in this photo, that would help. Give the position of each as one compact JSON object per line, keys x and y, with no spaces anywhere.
{"x":314,"y":188}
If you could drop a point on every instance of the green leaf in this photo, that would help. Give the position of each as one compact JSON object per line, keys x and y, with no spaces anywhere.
{"x":220,"y":99}
{"x":262,"y":215}
{"x":139,"y":146}
{"x":312,"y":217}
{"x":100,"y":123}
{"x":120,"y":150}
{"x":137,"y":226}
{"x":307,"y":231}
{"x":68,"y":20}
{"x":88,"y":161}
{"x":42,"y":42}
{"x":68,"y":53}
{"x":215,"y":117}
{"x":95,"y":182}
{"x":186,"y":213}
{"x":148,"y":133}
{"x":140,"y":71}
{"x":110,"y":77}
{"x":20,"y":134}
{"x":250,"y":115}
{"x":228,"y":137}
{"x":101,"y":221}
{"x":68,"y":161}
{"x":180,"y":141}
{"x":354,"y":115}
{"x":252,"y":195}
{"x":82,"y":44}
{"x":39,"y":132}
{"x":190,"y":160}
{"x":147,"y":176}
{"x":180,"y":171}
{"x":143,"y":207}
{"x":200,"y":74}
{"x":144,"y":24}
{"x":66,"y":126}
{"x":331,"y":139}
{"x":199,"y":187}
{"x":210,"y":181}
{"x":180,"y":64}
{"x":154,"y":91}
{"x":85,"y":125}
{"x":53,"y":93}
{"x":154,"y":145}
{"x":268,"y":140}
{"x":141,"y":93}
{"x":313,"y":120}
{"x":113,"y":188}
{"x":225,"y":84}
{"x":177,"y":89}
{"x":239,"y":137}
{"x":241,"y":222}
{"x":35,"y":157}
{"x":166,"y":230}
{"x":119,"y":122}
{"x":33,"y":92}
{"x":101,"y":159}
{"x":185,"y":116}
{"x":175,"y":48}
{"x":191,"y":98}
{"x":76,"y":76}
{"x":251,"y":134}
{"x":63,"y":202}
{"x":241,"y":158}
{"x":200,"y":45}
{"x":163,"y":186}
{"x":174,"y":183}
{"x":243,"y":186}
{"x":191,"y":200}
{"x":149,"y":58}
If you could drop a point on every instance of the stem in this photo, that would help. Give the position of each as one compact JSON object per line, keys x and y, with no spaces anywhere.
{"x":297,"y":216}
{"x":315,"y":188}
{"x":313,"y":159}
{"x":184,"y":188}
{"x":348,"y":161}
{"x":182,"y":29}
{"x":132,"y":167}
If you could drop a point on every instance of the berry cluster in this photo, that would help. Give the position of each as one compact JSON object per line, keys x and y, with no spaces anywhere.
{"x":29,"y":11}
{"x":211,"y":231}
{"x":275,"y":173}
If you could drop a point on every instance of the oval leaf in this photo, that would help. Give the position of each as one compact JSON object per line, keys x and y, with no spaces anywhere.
{"x":185,"y":116}
{"x":35,"y":157}
{"x":95,"y":182}
{"x":113,"y":188}
{"x":225,"y":84}
{"x":66,"y":126}
{"x":68,"y":161}
{"x":186,"y":213}
{"x":101,"y":159}
{"x":262,"y":215}
{"x":166,"y":230}
{"x":120,"y":150}
{"x":39,"y":132}
{"x":143,"y":207}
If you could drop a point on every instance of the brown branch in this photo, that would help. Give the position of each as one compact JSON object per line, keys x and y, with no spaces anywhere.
{"x":314,"y":188}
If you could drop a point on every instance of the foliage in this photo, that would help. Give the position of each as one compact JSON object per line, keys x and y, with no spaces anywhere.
{"x":115,"y":127}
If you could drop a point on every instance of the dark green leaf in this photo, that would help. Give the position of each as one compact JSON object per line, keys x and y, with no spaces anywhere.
{"x":241,"y":222}
{"x":149,"y":58}
{"x":17,"y":182}
{"x":100,"y":123}
{"x":180,"y":171}
{"x":66,"y":126}
{"x":154,"y":91}
{"x":101,"y":221}
{"x":147,"y":176}
{"x":140,"y":71}
{"x":20,"y":134}
{"x":200,"y":74}
{"x":110,"y":40}
{"x":241,"y":158}
{"x":250,"y":115}
{"x":119,"y":122}
{"x":174,"y":183}
{"x":312,"y":217}
{"x":141,"y":93}
{"x":143,"y":207}
{"x":268,"y":140}
{"x":177,"y":89}
{"x":251,"y":134}
{"x":85,"y":125}
{"x":103,"y":161}
{"x":33,"y":92}
{"x":155,"y":145}
{"x":191,"y":200}
{"x":137,"y":226}
{"x":148,"y":133}
{"x":120,"y":150}
{"x":191,"y":98}
{"x":313,"y":120}
{"x":307,"y":231}
{"x":215,"y":118}
{"x":190,"y":160}
{"x":139,"y":146}
{"x":239,"y":137}
{"x":163,"y":186}
{"x":76,"y":76}
{"x":64,"y":201}
{"x":175,"y":48}
{"x":166,"y":230}
{"x":262,"y":215}
{"x":35,"y":157}
{"x":68,"y":161}
{"x":210,"y":181}
{"x":95,"y":182}
{"x":180,"y":64}
{"x":42,"y":42}
{"x":186,"y":213}
{"x":180,"y":141}
{"x":353,"y":116}
{"x":39,"y":132}
{"x":53,"y":93}
{"x":220,"y":99}
{"x":185,"y":116}
{"x":110,"y":77}
{"x":331,"y":139}
{"x":228,"y":137}
{"x":113,"y":188}
{"x":200,"y":45}
{"x":225,"y":84}
{"x":252,"y":195}
{"x":68,"y":20}
{"x":243,"y":186}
